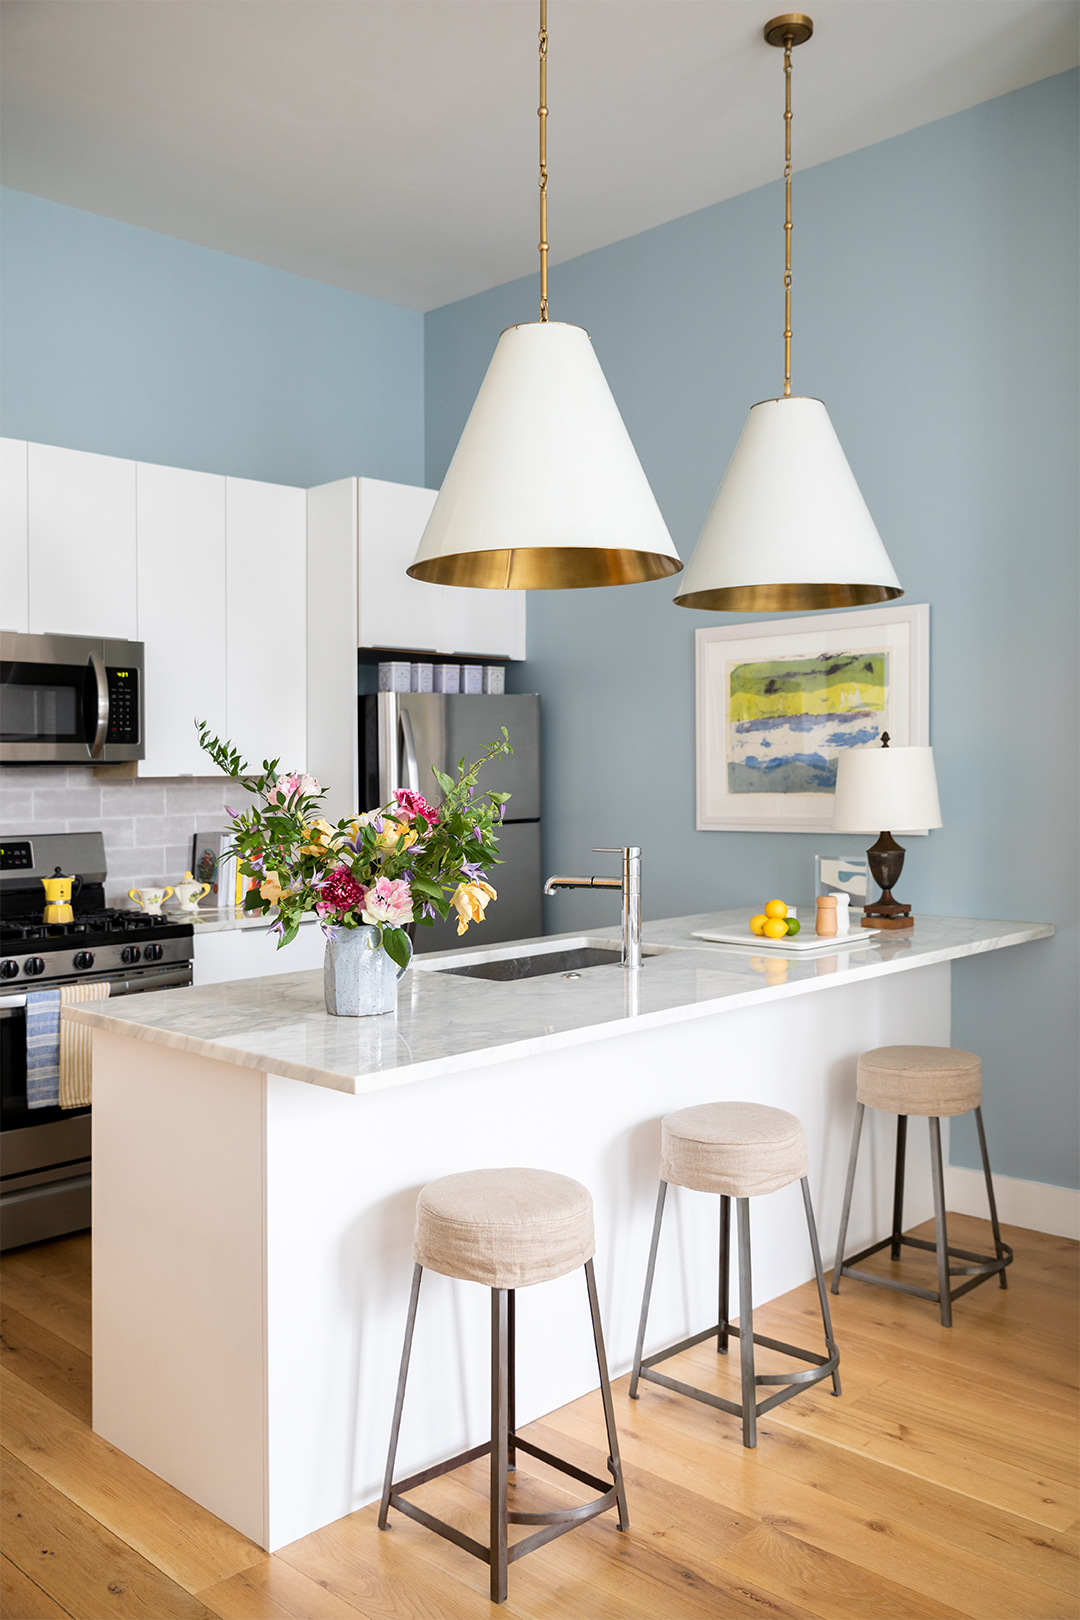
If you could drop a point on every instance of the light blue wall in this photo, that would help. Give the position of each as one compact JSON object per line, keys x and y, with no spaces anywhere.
{"x":120,"y":340}
{"x":936,"y":314}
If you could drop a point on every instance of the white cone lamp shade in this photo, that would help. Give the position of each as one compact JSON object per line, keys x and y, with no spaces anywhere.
{"x":789,"y":528}
{"x":545,"y":491}
{"x":880,"y":789}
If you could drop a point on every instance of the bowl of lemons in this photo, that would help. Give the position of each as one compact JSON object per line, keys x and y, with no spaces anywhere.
{"x":774,"y":922}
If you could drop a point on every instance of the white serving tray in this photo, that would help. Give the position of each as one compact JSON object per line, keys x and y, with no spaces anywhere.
{"x":798,"y":944}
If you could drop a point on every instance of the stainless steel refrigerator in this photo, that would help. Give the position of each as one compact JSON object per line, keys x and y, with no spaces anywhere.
{"x":404,"y":734}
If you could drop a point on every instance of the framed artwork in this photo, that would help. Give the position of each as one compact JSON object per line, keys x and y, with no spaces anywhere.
{"x":778,"y":701}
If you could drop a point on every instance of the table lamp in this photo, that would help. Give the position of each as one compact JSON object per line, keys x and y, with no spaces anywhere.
{"x":886,"y":787}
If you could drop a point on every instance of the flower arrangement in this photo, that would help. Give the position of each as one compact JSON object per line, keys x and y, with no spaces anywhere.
{"x":408,"y":861}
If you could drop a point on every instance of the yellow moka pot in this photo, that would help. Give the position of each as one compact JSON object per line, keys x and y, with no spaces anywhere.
{"x":58,"y":897}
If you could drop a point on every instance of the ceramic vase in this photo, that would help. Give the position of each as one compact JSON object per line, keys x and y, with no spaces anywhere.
{"x":359,"y":979}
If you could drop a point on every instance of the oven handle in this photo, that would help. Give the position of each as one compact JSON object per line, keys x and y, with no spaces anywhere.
{"x":97,"y":664}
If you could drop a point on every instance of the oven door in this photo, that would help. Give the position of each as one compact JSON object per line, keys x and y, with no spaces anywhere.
{"x":69,"y":699}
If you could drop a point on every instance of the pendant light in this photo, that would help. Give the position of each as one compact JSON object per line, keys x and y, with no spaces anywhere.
{"x":789,"y":528}
{"x":545,"y":491}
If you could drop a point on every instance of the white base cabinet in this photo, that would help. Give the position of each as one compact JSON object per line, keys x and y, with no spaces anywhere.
{"x":252,"y":953}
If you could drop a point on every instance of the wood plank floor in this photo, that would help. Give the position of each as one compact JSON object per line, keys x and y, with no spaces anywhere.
{"x":942,"y":1485}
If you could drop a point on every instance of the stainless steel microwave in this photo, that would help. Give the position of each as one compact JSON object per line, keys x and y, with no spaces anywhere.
{"x":75,"y":700}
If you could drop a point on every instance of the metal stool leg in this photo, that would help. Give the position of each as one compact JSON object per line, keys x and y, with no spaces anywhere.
{"x":860,"y":1110}
{"x":746,"y":1329}
{"x":811,"y":1227}
{"x":399,"y":1400}
{"x":650,"y":1271}
{"x":511,"y":1380}
{"x":725,"y":1268}
{"x":941,"y":1237}
{"x":614,"y":1462}
{"x":898,"y":1189}
{"x":999,"y":1247}
{"x":499,"y":1420}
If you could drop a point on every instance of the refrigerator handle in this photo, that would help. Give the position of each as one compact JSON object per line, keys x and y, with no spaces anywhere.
{"x":408,"y":748}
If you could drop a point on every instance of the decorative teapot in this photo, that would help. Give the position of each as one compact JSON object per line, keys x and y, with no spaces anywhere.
{"x":58,"y":890}
{"x":151,"y":900}
{"x":189,"y":892}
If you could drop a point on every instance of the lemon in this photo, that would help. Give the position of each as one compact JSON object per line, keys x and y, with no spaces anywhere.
{"x":757,"y":924}
{"x":775,"y":928}
{"x":793,"y":925}
{"x":776,"y":908}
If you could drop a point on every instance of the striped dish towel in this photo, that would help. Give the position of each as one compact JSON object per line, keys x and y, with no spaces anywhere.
{"x":76,"y":1047}
{"x":42,"y":1048}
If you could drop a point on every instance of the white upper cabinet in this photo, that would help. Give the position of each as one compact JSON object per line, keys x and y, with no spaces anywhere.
{"x":265,"y":527}
{"x":82,"y":567}
{"x":396,"y":611}
{"x":181,"y":597}
{"x":14,"y":537}
{"x":481,"y":623}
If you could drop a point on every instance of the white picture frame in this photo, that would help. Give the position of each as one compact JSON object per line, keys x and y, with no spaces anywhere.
{"x":894,"y":641}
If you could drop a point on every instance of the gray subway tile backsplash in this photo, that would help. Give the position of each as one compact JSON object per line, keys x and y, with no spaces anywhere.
{"x":147,"y":826}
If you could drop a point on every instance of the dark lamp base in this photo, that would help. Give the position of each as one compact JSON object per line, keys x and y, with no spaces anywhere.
{"x":907,"y":921}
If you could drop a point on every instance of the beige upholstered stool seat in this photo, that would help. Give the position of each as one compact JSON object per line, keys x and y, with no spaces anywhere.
{"x":504,"y":1228}
{"x":739,"y":1149}
{"x":934,"y":1080}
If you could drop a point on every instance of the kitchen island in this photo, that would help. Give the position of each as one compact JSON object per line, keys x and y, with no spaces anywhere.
{"x":256,"y":1165}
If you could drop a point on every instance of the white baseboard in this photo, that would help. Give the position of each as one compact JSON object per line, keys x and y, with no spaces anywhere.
{"x":1034,"y":1204}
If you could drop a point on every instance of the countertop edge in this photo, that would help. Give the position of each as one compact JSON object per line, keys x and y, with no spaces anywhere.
{"x":93,"y":1015}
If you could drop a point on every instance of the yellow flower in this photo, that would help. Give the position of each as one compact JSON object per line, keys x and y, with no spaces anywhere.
{"x":271,"y":888}
{"x":392,"y":831}
{"x":321,"y":838}
{"x":469,"y":901}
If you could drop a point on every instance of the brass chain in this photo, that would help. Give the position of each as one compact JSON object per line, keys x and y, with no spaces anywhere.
{"x":789,"y":40}
{"x":542,"y":113}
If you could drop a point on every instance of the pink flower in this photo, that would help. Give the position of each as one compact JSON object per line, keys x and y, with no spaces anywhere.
{"x":340,"y":893}
{"x":388,"y":902}
{"x":414,"y":804}
{"x":292,"y":786}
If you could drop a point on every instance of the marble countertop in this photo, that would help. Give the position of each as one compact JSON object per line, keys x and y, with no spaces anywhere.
{"x":224,"y":919}
{"x":446,"y":1023}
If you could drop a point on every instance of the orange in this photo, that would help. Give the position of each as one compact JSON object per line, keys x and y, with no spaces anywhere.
{"x":776,"y":908}
{"x":775,"y":928}
{"x":757,"y":924}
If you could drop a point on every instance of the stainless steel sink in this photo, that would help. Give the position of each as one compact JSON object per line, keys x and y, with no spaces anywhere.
{"x":572,"y":959}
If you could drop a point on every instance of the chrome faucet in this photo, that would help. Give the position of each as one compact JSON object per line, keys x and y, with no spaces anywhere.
{"x":629,"y":883}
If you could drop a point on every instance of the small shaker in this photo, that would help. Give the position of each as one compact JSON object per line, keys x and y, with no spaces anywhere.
{"x":826,"y":914}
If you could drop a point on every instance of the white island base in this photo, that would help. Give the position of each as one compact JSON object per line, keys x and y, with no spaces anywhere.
{"x":253,"y":1232}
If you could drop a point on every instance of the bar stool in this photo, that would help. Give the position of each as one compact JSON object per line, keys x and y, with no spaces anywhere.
{"x":939,"y":1082}
{"x":505,"y":1229}
{"x":740,"y":1150}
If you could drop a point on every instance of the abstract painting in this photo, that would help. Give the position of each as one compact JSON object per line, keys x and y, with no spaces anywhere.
{"x":789,"y":718}
{"x":779,"y":701}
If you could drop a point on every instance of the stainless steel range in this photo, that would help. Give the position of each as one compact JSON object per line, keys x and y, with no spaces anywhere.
{"x":45,"y":1152}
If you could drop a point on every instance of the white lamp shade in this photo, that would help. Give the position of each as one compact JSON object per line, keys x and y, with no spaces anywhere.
{"x":885,"y":790}
{"x":789,"y":527}
{"x":545,"y":489}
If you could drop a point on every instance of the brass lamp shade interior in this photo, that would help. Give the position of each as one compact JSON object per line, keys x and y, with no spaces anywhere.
{"x":788,"y":598}
{"x":545,"y":568}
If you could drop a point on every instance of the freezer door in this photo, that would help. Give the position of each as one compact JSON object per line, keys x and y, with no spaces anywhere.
{"x":517,"y":913}
{"x":417,"y":730}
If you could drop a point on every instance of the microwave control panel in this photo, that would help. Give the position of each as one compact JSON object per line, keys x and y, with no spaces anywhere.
{"x":123,"y":705}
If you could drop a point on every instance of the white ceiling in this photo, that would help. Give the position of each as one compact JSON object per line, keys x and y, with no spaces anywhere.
{"x":389,"y":146}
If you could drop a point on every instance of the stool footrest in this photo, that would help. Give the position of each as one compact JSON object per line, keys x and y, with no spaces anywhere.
{"x":554,"y":1524}
{"x":982,"y":1267}
{"x":823,"y":1367}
